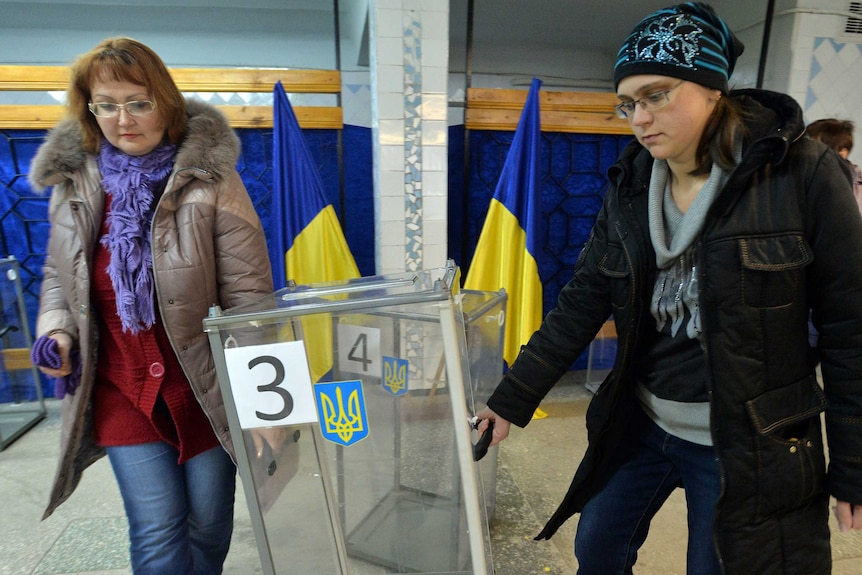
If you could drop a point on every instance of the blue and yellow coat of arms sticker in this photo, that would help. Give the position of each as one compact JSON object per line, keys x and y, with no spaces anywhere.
{"x":395,"y":375}
{"x":342,"y":413}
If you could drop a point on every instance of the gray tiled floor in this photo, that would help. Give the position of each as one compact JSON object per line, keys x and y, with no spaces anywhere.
{"x":87,"y":534}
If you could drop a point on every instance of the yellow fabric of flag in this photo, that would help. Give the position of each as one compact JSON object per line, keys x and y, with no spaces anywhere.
{"x":320,"y":252}
{"x":502,"y":261}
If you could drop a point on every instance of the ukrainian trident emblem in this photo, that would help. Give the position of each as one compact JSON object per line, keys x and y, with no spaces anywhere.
{"x":341,"y":407}
{"x":395,"y":375}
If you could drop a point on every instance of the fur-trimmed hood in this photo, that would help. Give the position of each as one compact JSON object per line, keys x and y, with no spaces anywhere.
{"x":210,"y":149}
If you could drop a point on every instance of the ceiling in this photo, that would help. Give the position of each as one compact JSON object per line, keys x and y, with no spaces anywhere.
{"x":510,"y":36}
{"x":568,"y":40}
{"x":600,"y":24}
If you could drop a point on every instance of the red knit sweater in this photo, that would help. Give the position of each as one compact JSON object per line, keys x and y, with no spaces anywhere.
{"x":141,"y":393}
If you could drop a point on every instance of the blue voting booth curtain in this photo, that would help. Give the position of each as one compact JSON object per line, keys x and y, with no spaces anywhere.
{"x":573,"y":172}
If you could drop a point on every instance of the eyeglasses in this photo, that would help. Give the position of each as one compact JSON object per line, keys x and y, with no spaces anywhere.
{"x":650,"y":103}
{"x":112,"y":110}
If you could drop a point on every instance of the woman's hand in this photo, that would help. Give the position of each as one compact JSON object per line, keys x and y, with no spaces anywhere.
{"x":849,"y":516}
{"x":501,"y":426}
{"x":64,"y":348}
{"x":274,"y":437}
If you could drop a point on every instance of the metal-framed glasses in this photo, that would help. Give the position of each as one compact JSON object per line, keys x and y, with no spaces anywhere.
{"x":112,"y":110}
{"x":650,"y":103}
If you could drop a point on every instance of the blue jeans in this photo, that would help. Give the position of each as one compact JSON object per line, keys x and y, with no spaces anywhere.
{"x":615,"y":522}
{"x":180,"y":516}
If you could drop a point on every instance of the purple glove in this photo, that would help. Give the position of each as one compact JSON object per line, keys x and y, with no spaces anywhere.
{"x":46,"y":353}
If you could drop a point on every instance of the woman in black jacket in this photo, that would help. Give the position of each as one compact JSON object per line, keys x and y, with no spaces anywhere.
{"x":722,"y":229}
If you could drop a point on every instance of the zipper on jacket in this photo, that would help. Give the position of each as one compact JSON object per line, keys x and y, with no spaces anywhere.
{"x":710,"y":385}
{"x":633,"y":320}
{"x":76,"y":206}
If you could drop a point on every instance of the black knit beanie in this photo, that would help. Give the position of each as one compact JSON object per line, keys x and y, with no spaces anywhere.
{"x":688,"y":41}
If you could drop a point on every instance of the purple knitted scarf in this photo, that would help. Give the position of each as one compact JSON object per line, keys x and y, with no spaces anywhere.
{"x":133,"y":182}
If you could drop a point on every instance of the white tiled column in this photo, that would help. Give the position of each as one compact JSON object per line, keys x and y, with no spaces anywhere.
{"x":409,"y":54}
{"x":815,"y":62}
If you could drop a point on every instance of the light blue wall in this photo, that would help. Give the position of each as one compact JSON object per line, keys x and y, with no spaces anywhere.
{"x":218,"y":33}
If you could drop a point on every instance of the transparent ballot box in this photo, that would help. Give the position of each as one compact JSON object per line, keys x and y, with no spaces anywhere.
{"x":349,"y":406}
{"x":484,"y":316}
{"x":21,"y":402}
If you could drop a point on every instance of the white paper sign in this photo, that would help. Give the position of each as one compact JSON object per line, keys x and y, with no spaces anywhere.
{"x":271,"y":384}
{"x":359,"y":349}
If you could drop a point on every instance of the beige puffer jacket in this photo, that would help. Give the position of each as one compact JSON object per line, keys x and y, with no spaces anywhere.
{"x":208,"y":249}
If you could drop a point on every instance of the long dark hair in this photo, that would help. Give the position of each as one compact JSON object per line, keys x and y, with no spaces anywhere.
{"x":722,"y":130}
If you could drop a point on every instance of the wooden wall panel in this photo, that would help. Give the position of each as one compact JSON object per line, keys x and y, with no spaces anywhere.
{"x":571,"y":112}
{"x":55,"y":78}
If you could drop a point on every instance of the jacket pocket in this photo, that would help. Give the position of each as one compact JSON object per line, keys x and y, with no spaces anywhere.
{"x":789,"y":457}
{"x":771,"y":269}
{"x":614,"y":266}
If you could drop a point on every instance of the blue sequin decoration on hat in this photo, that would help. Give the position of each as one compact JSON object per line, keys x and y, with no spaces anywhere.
{"x":673,"y":40}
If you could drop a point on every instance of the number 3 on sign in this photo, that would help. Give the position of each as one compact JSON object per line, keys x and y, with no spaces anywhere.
{"x":359,"y":349}
{"x":271,"y":385}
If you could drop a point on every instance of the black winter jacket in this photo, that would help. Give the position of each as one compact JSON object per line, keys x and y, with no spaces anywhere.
{"x":783,"y":237}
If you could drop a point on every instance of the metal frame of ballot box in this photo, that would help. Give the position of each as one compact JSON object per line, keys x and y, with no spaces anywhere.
{"x":484,"y":314}
{"x":21,"y":403}
{"x":348,"y":404}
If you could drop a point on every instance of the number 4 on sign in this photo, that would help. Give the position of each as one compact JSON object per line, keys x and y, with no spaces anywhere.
{"x":359,"y":349}
{"x":271,"y":384}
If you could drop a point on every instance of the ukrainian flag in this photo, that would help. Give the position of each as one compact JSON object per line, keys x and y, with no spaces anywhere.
{"x":308,"y":244}
{"x":505,"y":255}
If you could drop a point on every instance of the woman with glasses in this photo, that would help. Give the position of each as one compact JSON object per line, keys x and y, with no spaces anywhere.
{"x":722,"y":227}
{"x":150,"y":226}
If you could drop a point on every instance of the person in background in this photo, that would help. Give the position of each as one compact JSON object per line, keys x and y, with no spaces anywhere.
{"x":838,"y":135}
{"x":150,"y":226}
{"x":721,"y":228}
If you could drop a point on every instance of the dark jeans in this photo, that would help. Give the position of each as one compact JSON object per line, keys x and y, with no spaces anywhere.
{"x":614,"y":524}
{"x":180,"y":516}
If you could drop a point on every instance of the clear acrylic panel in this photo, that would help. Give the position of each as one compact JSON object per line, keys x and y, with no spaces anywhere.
{"x":381,"y":481}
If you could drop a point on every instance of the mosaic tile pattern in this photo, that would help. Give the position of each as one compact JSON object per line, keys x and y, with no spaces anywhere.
{"x":414,"y":337}
{"x":412,"y":140}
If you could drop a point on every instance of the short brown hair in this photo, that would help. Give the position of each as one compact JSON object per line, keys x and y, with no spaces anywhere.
{"x":837,"y":134}
{"x":125,"y":60}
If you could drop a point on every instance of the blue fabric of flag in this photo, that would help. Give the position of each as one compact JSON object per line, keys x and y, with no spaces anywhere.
{"x":300,"y":209}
